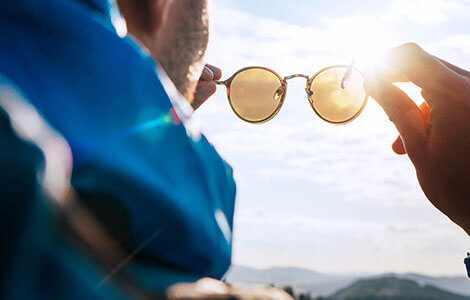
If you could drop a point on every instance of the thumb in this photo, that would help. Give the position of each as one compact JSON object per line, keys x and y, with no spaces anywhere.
{"x":403,"y":112}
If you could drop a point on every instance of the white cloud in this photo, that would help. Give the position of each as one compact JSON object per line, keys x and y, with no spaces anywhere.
{"x":343,"y":246}
{"x":423,"y":12}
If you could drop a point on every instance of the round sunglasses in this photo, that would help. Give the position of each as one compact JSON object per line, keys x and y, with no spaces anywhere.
{"x":336,"y":93}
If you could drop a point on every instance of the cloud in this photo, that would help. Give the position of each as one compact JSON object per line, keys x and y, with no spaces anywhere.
{"x":423,"y":12}
{"x":258,"y":40}
{"x":368,"y":246}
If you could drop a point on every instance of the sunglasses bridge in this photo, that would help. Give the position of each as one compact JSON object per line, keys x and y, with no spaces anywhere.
{"x":306,"y":77}
{"x":296,"y":76}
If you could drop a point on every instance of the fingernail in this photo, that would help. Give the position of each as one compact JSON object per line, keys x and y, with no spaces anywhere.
{"x":211,"y":74}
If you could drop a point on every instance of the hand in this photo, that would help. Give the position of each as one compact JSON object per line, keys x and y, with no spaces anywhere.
{"x":206,"y":86}
{"x":436,"y":135}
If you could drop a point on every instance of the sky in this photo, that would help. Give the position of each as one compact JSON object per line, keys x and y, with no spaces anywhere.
{"x":333,"y":199}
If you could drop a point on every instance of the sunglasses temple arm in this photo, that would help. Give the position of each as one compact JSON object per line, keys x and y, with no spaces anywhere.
{"x":219,"y":82}
{"x":347,"y":76}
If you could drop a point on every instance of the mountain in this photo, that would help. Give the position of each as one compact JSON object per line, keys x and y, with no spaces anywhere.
{"x":318,"y":284}
{"x":456,"y":284}
{"x":321,"y":284}
{"x":392,"y":288}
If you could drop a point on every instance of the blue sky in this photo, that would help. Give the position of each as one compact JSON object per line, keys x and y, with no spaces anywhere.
{"x":330,"y":198}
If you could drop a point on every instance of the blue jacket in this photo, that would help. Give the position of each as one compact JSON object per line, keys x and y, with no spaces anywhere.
{"x":137,"y":163}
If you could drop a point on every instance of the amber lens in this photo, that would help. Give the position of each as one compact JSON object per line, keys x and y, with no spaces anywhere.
{"x":256,"y":94}
{"x":333,"y":102}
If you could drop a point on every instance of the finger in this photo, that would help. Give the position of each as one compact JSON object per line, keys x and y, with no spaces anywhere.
{"x":403,"y":112}
{"x":207,"y":90}
{"x":216,"y":71}
{"x":412,"y":62}
{"x":397,"y":145}
{"x":203,"y":92}
{"x":203,"y":83}
{"x":454,"y":68}
{"x":207,"y":74}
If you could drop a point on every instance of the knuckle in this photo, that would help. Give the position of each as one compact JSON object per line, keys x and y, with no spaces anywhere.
{"x":458,"y":88}
{"x":411,"y":47}
{"x":212,"y":88}
{"x":425,"y":94}
{"x":409,"y":51}
{"x":395,"y":111}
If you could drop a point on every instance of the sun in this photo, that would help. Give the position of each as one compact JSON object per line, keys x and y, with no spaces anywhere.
{"x":363,"y":38}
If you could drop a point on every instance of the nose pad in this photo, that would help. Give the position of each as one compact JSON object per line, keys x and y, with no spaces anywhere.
{"x":309,"y":94}
{"x":279,"y":93}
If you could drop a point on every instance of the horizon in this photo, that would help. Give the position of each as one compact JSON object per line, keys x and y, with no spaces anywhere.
{"x":318,"y":284}
{"x":358,"y":274}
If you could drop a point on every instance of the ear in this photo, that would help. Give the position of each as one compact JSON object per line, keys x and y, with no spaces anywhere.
{"x":157,"y":14}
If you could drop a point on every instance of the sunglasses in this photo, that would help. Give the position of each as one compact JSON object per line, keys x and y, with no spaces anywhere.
{"x":336,"y":93}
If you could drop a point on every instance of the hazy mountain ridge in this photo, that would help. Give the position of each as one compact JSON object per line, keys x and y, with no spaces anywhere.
{"x":394,"y":289}
{"x":456,"y":284}
{"x":321,"y":284}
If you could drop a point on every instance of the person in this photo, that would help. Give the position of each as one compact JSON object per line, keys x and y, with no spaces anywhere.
{"x":156,"y":187}
{"x":437,"y":140}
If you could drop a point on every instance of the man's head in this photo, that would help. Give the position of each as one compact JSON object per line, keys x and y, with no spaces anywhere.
{"x":175,"y":32}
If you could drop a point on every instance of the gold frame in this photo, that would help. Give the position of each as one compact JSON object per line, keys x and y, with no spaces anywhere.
{"x":283,"y":82}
